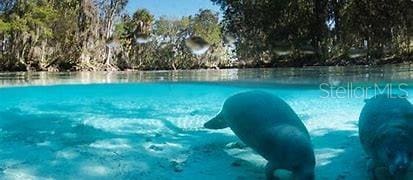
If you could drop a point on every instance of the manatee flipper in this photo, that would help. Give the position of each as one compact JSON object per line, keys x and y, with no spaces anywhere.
{"x":269,"y":172}
{"x":371,"y":169}
{"x":218,"y":122}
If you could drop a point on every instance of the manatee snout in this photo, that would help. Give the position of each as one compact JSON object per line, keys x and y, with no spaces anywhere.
{"x":400,"y":163}
{"x":210,"y":125}
{"x":396,"y":152}
{"x":218,"y":122}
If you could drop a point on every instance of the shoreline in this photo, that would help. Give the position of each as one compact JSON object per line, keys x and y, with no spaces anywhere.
{"x":307,"y":77}
{"x":401,"y":63}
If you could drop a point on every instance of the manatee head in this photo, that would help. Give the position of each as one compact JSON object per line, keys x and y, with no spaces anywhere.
{"x":396,"y":153}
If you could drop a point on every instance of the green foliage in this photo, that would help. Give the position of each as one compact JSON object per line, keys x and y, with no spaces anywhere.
{"x":167,"y":49}
{"x":30,"y":16}
{"x":97,"y":34}
{"x":4,"y":27}
{"x":143,"y":15}
{"x":329,"y":28}
{"x":206,"y":25}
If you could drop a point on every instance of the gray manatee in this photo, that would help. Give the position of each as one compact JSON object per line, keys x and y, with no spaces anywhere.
{"x":386,"y":134}
{"x":270,"y":127}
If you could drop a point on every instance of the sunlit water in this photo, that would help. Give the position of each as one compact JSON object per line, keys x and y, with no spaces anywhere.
{"x":149,"y":125}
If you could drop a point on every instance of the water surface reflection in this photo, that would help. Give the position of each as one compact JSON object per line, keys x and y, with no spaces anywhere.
{"x":312,"y":76}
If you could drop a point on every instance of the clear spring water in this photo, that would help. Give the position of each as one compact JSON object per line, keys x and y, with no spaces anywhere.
{"x":149,"y":125}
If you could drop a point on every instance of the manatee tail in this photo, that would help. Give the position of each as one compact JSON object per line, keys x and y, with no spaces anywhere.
{"x":218,"y":122}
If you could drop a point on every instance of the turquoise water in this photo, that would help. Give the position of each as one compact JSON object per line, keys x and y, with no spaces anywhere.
{"x":153,"y":129}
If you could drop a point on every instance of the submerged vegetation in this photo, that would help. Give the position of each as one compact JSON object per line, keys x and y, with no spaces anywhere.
{"x":70,"y":35}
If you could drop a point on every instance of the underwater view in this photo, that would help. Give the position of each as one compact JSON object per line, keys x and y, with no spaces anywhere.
{"x":206,"y":89}
{"x":123,"y":126}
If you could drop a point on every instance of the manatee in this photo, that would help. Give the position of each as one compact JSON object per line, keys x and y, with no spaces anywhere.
{"x":386,"y":134}
{"x":269,"y":126}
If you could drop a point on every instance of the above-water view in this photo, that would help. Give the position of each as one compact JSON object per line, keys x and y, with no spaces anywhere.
{"x":206,"y":89}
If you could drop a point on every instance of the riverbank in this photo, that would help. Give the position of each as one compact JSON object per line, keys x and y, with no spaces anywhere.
{"x":233,"y":64}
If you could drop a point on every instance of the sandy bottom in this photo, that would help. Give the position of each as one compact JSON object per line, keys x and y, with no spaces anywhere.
{"x":154,"y":131}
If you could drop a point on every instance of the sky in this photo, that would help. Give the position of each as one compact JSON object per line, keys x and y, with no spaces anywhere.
{"x":171,"y":8}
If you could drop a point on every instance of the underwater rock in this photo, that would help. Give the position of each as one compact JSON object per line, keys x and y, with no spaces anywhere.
{"x":155,"y":148}
{"x":386,"y":134}
{"x":269,"y":126}
{"x":158,"y":135}
{"x":194,"y":112}
{"x":237,"y":163}
{"x":148,"y":139}
{"x":178,"y":166}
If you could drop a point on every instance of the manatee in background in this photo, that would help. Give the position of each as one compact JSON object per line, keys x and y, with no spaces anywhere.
{"x":386,"y":134}
{"x":269,"y":126}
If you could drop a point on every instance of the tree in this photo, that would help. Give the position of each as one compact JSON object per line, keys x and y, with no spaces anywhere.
{"x":140,"y":23}
{"x":172,"y":34}
{"x":58,"y":35}
{"x":282,"y":32}
{"x":24,"y":25}
{"x":110,"y":9}
{"x":205,"y":24}
{"x":167,"y":49}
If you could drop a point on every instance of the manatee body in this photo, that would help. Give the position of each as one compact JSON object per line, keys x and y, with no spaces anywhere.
{"x":269,"y":126}
{"x":386,"y":134}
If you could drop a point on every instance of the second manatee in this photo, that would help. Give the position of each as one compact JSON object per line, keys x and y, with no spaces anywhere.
{"x":386,"y":134}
